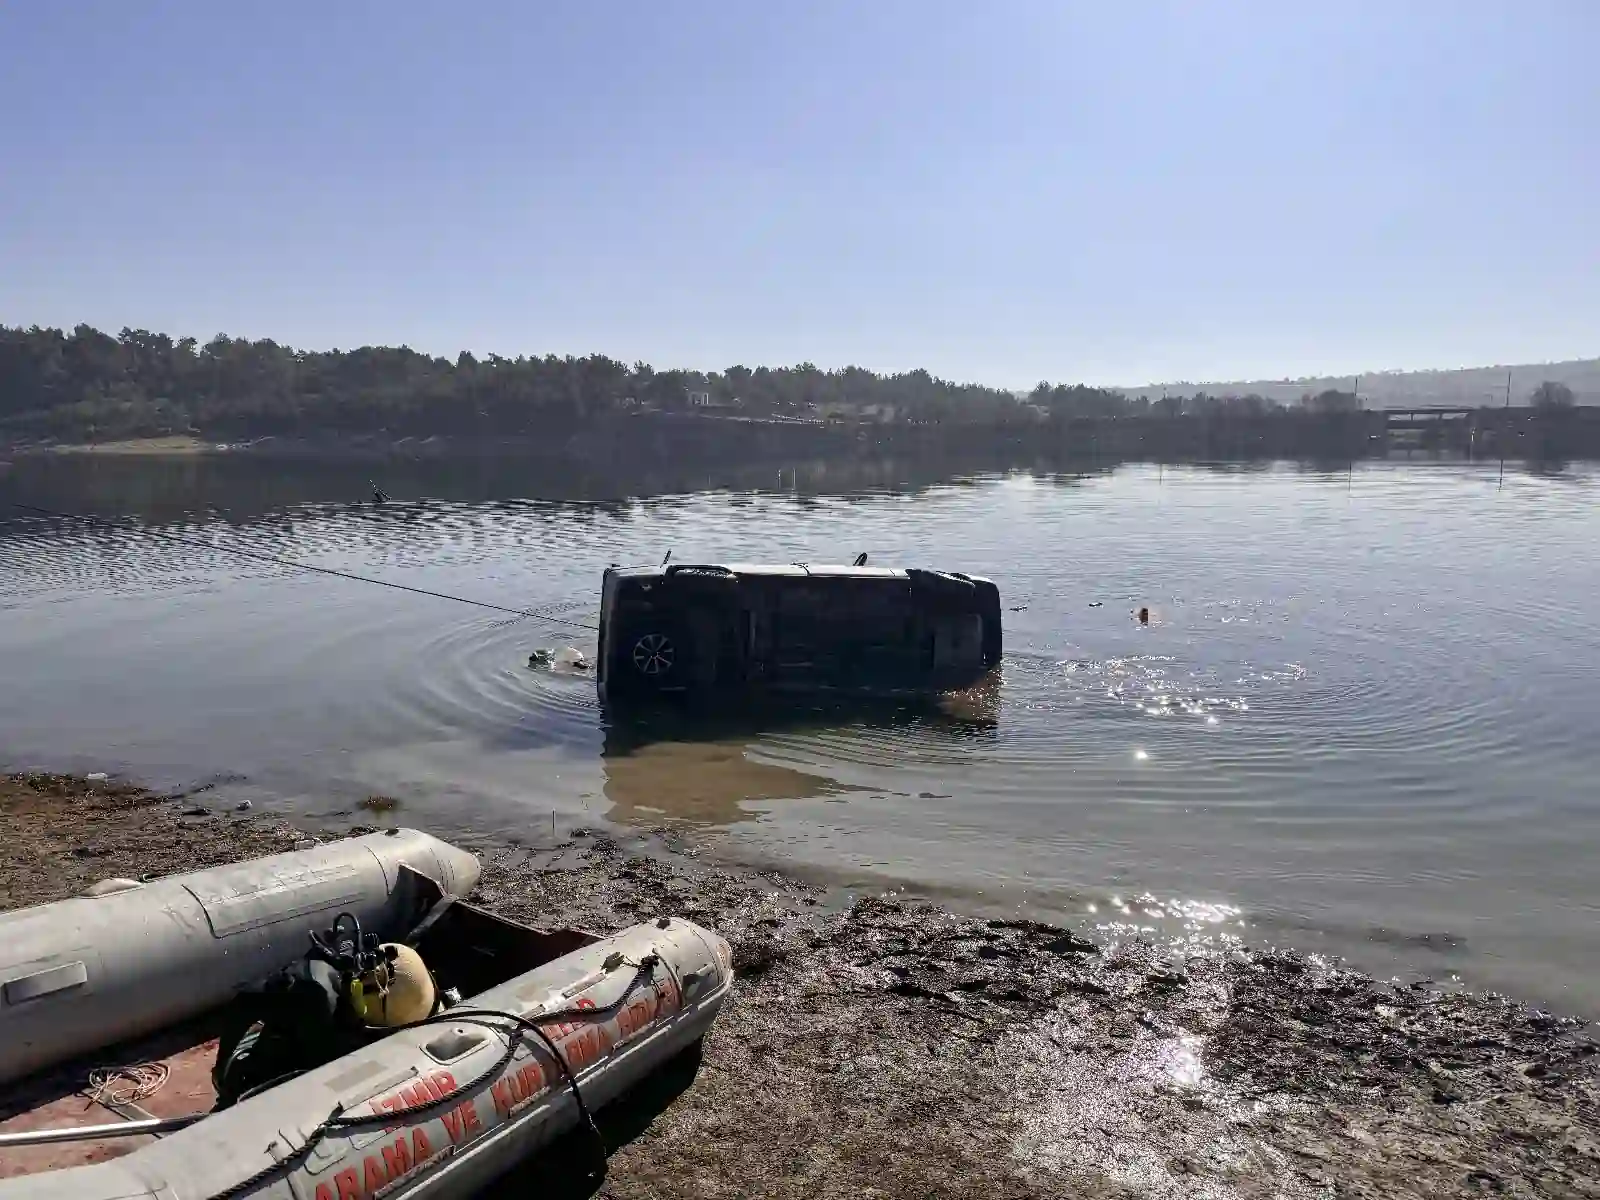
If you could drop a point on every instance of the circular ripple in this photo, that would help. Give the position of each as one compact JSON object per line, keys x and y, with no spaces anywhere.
{"x":1351,"y":682}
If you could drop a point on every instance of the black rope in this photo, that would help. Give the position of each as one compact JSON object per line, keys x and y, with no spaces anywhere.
{"x":179,"y":539}
{"x":520,"y":1026}
{"x":478,"y":1016}
{"x":644,"y":969}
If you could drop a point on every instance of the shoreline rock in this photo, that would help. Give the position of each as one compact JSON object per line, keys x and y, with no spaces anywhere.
{"x":898,"y":1049}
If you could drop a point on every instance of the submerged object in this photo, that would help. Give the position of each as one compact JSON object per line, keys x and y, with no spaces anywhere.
{"x":741,"y":629}
{"x":131,"y":957}
{"x":556,"y":1023}
{"x":568,"y":658}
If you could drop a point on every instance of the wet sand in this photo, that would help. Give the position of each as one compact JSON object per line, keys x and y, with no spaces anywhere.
{"x":897,"y":1049}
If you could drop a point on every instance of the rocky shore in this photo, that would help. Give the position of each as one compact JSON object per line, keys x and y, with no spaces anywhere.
{"x":892,"y":1048}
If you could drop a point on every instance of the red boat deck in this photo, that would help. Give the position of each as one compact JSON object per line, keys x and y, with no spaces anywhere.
{"x":471,"y":949}
{"x":59,"y":1098}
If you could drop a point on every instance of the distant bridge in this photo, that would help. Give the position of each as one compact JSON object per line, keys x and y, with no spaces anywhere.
{"x":1426,"y":416}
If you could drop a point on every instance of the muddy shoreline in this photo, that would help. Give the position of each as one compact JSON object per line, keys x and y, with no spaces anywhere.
{"x":898,"y":1049}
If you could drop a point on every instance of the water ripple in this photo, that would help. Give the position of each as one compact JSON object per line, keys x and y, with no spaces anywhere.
{"x":1362,"y":700}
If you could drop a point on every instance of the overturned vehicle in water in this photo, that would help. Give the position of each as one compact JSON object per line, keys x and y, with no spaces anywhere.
{"x":740,"y":630}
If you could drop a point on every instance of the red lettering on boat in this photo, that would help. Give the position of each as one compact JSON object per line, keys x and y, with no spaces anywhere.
{"x":461,"y":1121}
{"x":348,"y":1183}
{"x":503,"y":1094}
{"x":397,"y":1158}
{"x":375,"y":1175}
{"x":634,"y":1018}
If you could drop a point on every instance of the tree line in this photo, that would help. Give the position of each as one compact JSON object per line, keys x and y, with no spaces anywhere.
{"x":86,"y":384}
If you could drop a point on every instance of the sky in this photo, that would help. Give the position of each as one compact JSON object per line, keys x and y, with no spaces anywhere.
{"x":999,"y":192}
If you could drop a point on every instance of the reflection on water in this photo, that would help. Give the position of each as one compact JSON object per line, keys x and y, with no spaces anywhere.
{"x":1361,"y":712}
{"x":703,"y":766}
{"x":1191,"y":926}
{"x":706,"y":782}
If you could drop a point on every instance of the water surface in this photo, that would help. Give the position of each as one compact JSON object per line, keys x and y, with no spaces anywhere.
{"x":1361,"y":720}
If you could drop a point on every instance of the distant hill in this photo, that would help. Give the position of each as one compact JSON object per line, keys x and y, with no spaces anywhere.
{"x":1468,"y":386}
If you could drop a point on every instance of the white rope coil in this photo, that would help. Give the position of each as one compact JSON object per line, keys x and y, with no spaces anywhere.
{"x":111,"y":1086}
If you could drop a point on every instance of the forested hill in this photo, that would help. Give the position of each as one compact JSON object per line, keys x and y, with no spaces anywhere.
{"x":87,"y":385}
{"x":1463,"y":387}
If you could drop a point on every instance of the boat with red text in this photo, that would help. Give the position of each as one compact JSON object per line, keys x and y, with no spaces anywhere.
{"x":364,"y":1068}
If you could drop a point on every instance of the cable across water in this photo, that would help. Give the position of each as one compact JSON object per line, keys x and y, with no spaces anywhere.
{"x":279,"y":560}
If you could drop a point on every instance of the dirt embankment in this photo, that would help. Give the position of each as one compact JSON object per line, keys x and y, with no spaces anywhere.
{"x":900,"y":1050}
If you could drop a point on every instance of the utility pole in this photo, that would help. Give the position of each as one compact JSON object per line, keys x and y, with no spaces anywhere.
{"x":1504,"y":429}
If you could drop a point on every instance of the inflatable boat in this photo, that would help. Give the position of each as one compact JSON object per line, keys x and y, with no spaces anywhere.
{"x":130,"y":957}
{"x":526,"y":1032}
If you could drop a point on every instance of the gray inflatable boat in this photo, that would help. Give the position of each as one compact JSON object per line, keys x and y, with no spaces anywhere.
{"x":132,"y":957}
{"x":554,"y":1024}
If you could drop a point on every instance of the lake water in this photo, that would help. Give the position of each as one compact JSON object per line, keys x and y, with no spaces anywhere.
{"x":1361,"y":721}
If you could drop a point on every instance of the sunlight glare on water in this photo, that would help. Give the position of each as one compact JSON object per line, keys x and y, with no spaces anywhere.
{"x":1361,"y":715}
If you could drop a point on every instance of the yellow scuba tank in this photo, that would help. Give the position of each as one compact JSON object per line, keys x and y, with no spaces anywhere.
{"x":397,"y":991}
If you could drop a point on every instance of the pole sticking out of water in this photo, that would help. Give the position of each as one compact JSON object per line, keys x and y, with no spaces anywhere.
{"x":1503,"y":431}
{"x":1350,"y":467}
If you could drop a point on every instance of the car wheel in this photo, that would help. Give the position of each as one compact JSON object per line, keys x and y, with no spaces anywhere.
{"x":654,"y":656}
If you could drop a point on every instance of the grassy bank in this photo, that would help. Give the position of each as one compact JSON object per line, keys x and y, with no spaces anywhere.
{"x":176,"y":446}
{"x":892,"y":1048}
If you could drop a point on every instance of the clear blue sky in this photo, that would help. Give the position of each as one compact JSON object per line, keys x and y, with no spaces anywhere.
{"x":996,"y":191}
